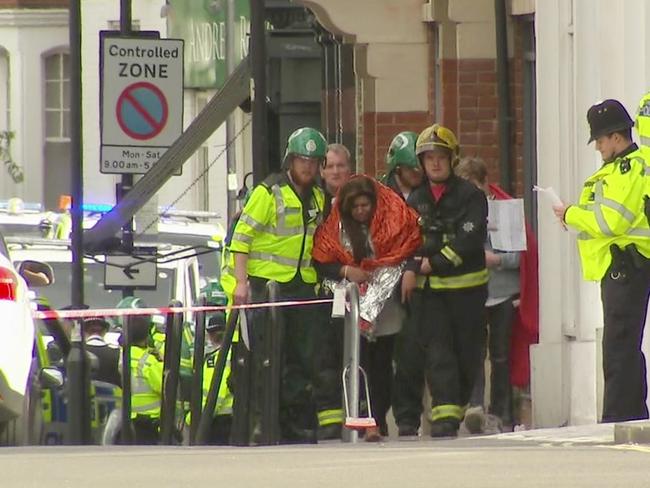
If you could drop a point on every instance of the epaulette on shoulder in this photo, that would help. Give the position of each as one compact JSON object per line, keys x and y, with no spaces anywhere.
{"x":272,"y":179}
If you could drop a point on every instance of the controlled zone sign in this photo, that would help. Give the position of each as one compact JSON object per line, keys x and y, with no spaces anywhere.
{"x":124,"y":271}
{"x":141,"y":101}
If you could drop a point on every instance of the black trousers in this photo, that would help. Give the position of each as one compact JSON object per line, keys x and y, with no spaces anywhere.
{"x":410,"y":361}
{"x":146,"y":430}
{"x":453,"y":328}
{"x":300,"y":324}
{"x":376,"y":359}
{"x":328,"y":393}
{"x":624,"y":293}
{"x":499,"y":318}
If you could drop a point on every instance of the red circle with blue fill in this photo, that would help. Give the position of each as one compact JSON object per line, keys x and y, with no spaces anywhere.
{"x":142,"y":110}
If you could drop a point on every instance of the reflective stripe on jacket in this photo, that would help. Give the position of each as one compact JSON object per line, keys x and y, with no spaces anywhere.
{"x":611,"y":211}
{"x":277,"y":232}
{"x":146,"y":383}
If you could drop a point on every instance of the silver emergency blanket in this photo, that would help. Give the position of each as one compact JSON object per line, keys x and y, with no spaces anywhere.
{"x":374,"y":294}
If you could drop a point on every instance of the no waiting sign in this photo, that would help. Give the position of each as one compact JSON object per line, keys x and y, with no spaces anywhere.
{"x":141,"y":101}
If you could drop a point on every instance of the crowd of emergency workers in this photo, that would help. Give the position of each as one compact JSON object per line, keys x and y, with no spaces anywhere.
{"x":437,"y":298}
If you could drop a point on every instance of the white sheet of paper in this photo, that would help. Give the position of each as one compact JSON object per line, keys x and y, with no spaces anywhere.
{"x":506,"y":225}
{"x":338,"y":307}
{"x":549,"y":194}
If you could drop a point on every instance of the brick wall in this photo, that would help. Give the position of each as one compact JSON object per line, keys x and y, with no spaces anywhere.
{"x":34,"y":4}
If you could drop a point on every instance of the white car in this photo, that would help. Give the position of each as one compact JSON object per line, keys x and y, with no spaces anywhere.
{"x":16,"y":355}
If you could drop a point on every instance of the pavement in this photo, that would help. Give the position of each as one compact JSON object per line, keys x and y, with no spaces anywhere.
{"x":576,"y":457}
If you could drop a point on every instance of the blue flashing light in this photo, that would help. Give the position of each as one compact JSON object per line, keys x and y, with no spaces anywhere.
{"x":97,"y":207}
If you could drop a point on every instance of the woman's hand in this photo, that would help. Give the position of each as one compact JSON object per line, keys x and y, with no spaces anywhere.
{"x":409,"y":283}
{"x":241,"y":294}
{"x":357,"y":275}
{"x":425,"y":267}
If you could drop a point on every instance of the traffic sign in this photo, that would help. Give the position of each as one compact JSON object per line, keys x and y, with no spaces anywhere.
{"x":141,"y":101}
{"x":142,"y":111}
{"x":124,"y":271}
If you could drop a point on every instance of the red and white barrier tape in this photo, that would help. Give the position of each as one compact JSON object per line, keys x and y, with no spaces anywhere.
{"x":121,"y":312}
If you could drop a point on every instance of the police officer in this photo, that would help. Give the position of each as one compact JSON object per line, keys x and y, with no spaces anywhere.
{"x":446,"y":283}
{"x":614,"y":246}
{"x":108,"y":355}
{"x":273,"y":240}
{"x":146,"y":382}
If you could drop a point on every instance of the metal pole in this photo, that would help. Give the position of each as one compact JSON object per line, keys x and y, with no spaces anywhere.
{"x":231,"y":64}
{"x":127,"y":179}
{"x":79,"y":413}
{"x":503,"y":92}
{"x":171,"y":365}
{"x":196,"y":399}
{"x":271,"y":370}
{"x":351,"y":344}
{"x":127,"y":428}
{"x":217,"y":377}
{"x":260,"y":112}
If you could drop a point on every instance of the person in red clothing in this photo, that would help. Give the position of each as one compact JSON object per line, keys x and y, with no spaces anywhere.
{"x":367,"y":239}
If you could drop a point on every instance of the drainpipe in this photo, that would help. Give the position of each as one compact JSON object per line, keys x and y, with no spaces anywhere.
{"x":503,"y":92}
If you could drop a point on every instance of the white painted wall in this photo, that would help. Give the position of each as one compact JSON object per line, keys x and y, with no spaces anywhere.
{"x":587,"y":50}
{"x":27,"y":35}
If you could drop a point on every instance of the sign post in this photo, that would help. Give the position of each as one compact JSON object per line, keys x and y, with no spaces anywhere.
{"x":141,"y":102}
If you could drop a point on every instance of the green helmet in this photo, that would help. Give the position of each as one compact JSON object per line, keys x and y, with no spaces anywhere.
{"x":214,"y":294}
{"x":306,"y":142}
{"x":133,"y":302}
{"x":402,"y":152}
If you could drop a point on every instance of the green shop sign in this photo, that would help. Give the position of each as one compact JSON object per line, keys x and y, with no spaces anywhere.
{"x":202,"y":25}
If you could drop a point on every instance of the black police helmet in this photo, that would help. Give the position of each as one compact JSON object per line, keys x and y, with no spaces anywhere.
{"x":606,"y":118}
{"x":217,"y":322}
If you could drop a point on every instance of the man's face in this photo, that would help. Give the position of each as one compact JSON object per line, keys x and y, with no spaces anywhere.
{"x":336,"y":171}
{"x":437,"y":166}
{"x":303,"y":170}
{"x":607,"y":146}
{"x":411,"y":177}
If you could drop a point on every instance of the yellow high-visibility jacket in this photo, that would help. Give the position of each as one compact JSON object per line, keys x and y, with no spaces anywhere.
{"x":276,"y":231}
{"x":611,"y":211}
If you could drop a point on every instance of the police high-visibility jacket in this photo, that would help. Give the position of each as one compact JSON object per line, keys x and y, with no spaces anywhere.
{"x":224,"y":397}
{"x":146,"y":383}
{"x":610,"y":211}
{"x":276,"y":230}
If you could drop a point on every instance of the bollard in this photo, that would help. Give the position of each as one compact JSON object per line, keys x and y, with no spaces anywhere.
{"x":127,"y":434}
{"x":271,"y":370}
{"x":351,"y":344}
{"x":196,"y":400}
{"x":217,"y":377}
{"x":173,"y":331}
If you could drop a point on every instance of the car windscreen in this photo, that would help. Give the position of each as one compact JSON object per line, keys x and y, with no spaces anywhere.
{"x":95,"y":296}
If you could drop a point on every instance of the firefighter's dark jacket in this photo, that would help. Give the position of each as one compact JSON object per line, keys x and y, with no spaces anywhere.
{"x":454,"y":229}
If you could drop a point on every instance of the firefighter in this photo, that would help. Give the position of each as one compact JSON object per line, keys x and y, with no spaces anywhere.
{"x":273,"y":240}
{"x":446,"y":282}
{"x":614,"y":247}
{"x":404,"y":175}
{"x":404,"y":172}
{"x":642,"y":124}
